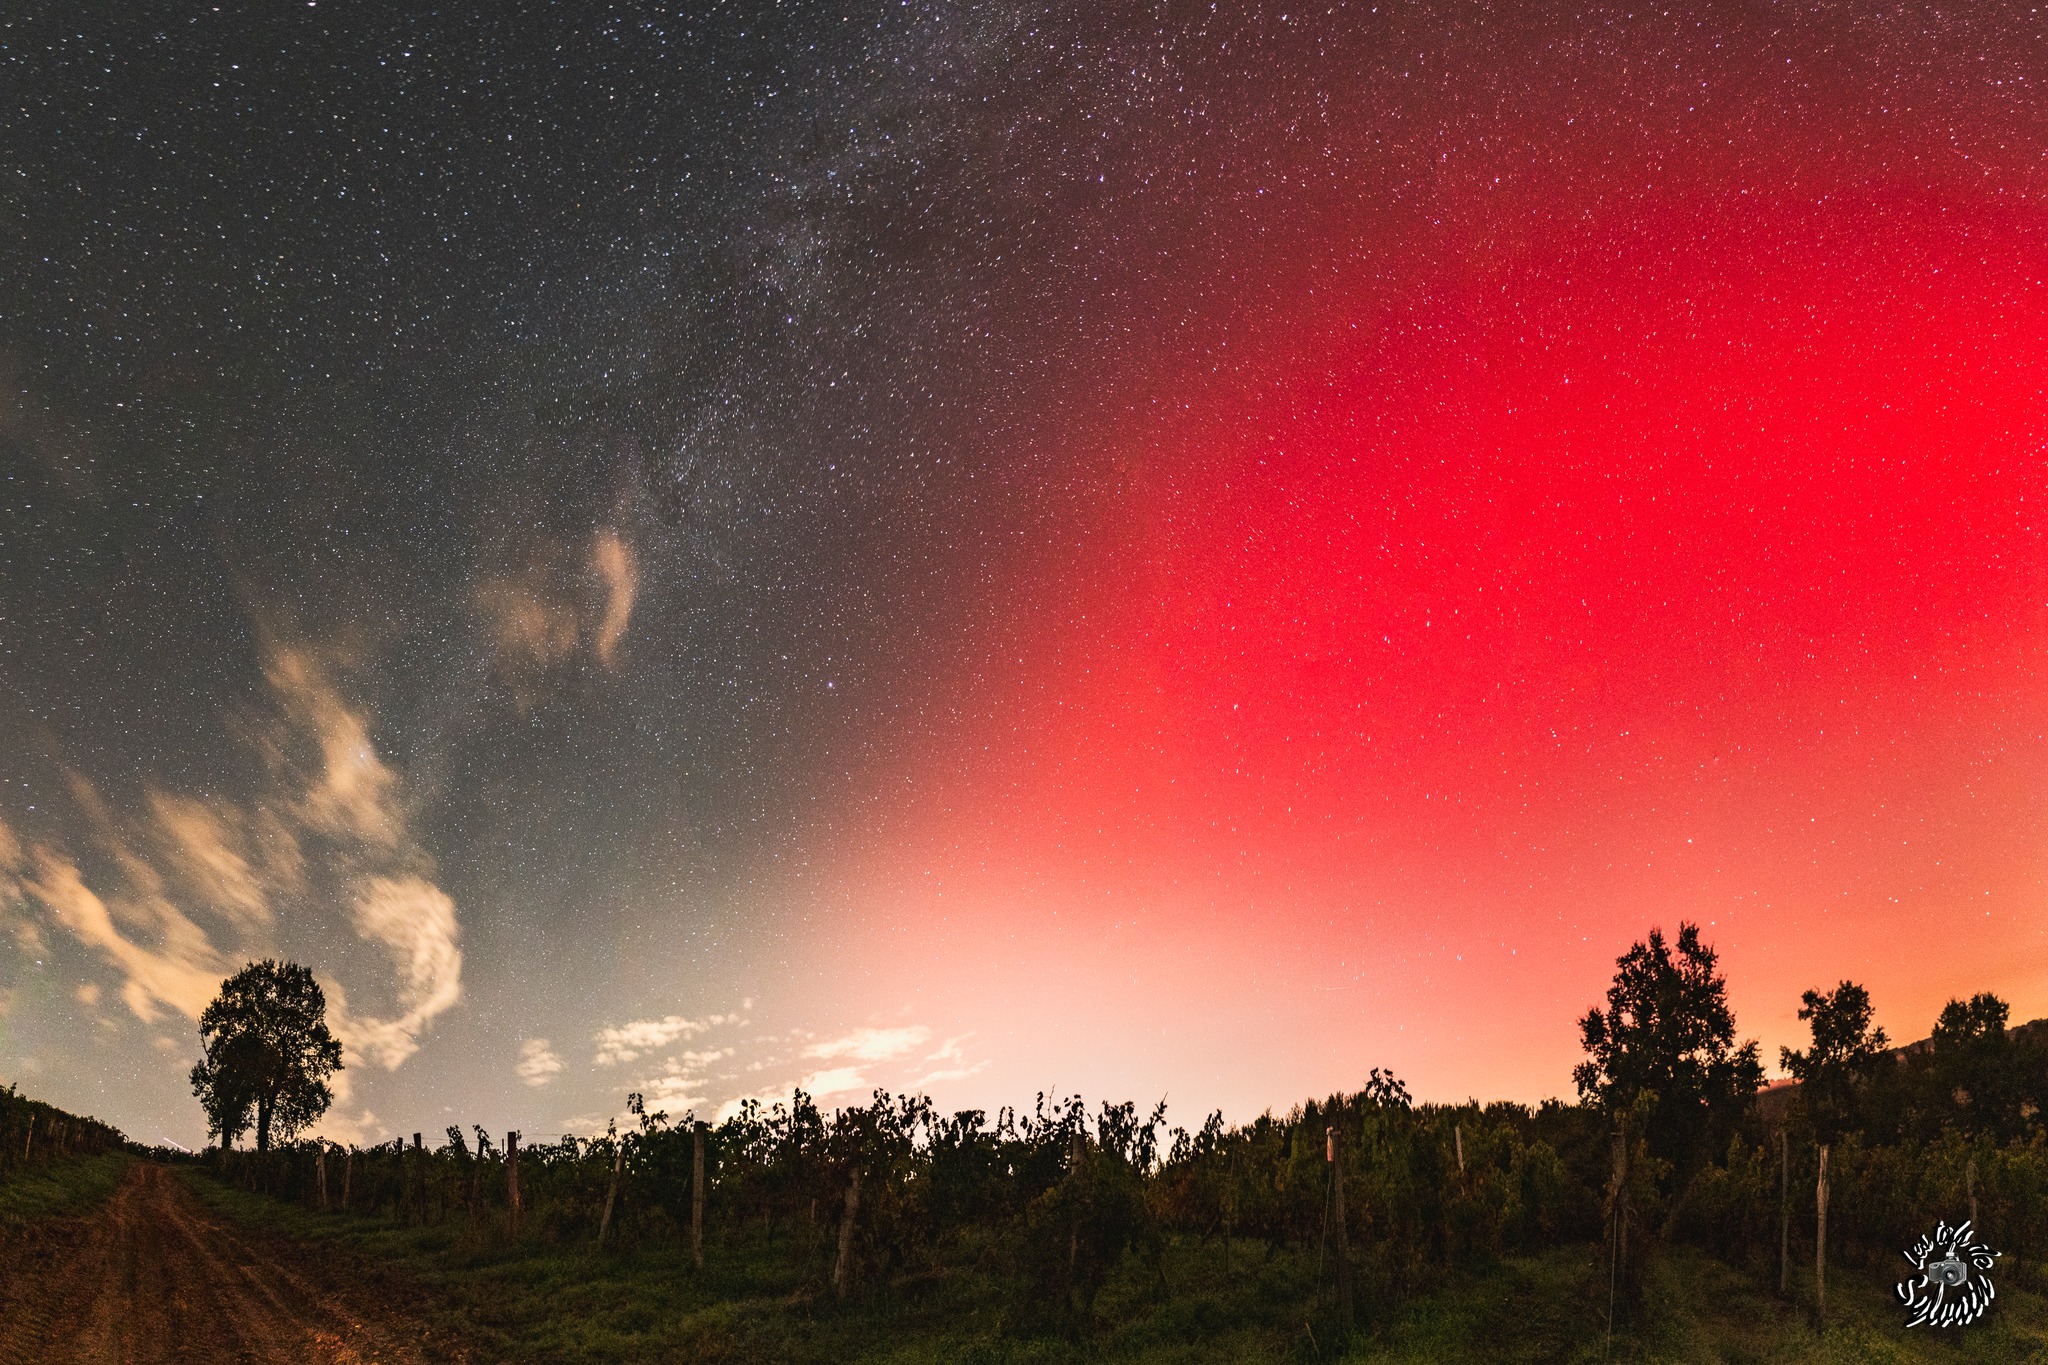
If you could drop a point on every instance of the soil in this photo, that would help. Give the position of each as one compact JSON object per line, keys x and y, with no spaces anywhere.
{"x":153,"y":1276}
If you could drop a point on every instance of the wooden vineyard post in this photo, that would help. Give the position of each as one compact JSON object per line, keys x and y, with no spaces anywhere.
{"x":512,"y":1181}
{"x":697,"y":1195}
{"x":320,"y":1175}
{"x":1077,"y":1154}
{"x":1970,"y":1186}
{"x":1335,"y":1155}
{"x":29,"y":1144}
{"x":612,"y":1195}
{"x":1617,"y":1224}
{"x":842,"y":1272}
{"x":1784,"y":1216}
{"x":1820,"y":1238}
{"x":1458,"y":1135}
{"x":348,"y":1162}
{"x":418,"y":1180}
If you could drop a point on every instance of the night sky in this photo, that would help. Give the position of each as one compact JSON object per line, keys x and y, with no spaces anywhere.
{"x":1149,"y":549}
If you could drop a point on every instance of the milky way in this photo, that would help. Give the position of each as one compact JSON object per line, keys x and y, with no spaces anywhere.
{"x":1151,"y":549}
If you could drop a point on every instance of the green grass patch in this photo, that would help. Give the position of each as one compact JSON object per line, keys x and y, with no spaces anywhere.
{"x":1553,"y":1308}
{"x":64,"y":1188}
{"x":767,"y":1299}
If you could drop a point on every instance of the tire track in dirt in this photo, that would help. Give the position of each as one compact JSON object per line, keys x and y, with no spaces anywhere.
{"x":153,"y":1277}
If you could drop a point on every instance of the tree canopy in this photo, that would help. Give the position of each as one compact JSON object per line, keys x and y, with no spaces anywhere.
{"x":1846,"y":1051}
{"x":1668,"y":1032}
{"x":268,"y":1054}
{"x":1972,"y":1060}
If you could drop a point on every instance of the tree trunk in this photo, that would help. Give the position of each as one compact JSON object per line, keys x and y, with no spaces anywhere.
{"x":1336,"y":1155}
{"x":512,"y":1180}
{"x":697,"y":1197}
{"x":842,"y":1273}
{"x":612,"y":1195}
{"x":1076,"y":1154}
{"x":1820,"y":1238}
{"x":1617,"y":1224}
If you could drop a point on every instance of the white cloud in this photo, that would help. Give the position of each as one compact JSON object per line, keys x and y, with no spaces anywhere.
{"x":872,"y":1044}
{"x":676,"y":1088}
{"x":351,"y":793}
{"x":415,"y":921}
{"x":206,"y":852}
{"x":673,"y":1095}
{"x":184,"y":972}
{"x":838,"y":1080}
{"x":620,"y":569}
{"x":841,"y":1080}
{"x":626,"y":1042}
{"x":539,"y":1063}
{"x":15,"y":917}
{"x":234,"y":861}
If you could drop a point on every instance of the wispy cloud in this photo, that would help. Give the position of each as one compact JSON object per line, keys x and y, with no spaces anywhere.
{"x":838,"y":1080}
{"x":628,"y":1042}
{"x":819,"y":1085}
{"x":15,"y":918}
{"x":348,"y":792}
{"x":527,"y":625}
{"x":619,"y":569}
{"x":539,"y":1063}
{"x":676,"y":1088}
{"x":872,"y":1044}
{"x":415,"y":922}
{"x":548,"y":600}
{"x":237,"y":863}
{"x":183,"y":972}
{"x":209,"y":856}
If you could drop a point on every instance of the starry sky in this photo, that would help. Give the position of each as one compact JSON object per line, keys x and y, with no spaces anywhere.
{"x":1155,"y":549}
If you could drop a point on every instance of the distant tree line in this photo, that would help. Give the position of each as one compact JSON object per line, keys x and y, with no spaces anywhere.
{"x":1668,"y":1140}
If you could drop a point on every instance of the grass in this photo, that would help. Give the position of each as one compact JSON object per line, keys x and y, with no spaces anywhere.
{"x":68,"y":1187}
{"x":766,"y":1300}
{"x":1552,"y":1308}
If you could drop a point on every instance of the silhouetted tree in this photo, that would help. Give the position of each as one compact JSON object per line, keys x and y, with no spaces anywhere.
{"x":1975,"y":1071}
{"x":1668,"y":1032}
{"x":1846,"y":1051}
{"x":267,"y":1051}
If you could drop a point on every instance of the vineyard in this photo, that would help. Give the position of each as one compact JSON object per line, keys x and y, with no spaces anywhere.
{"x":33,"y":1133}
{"x":1384,"y":1196}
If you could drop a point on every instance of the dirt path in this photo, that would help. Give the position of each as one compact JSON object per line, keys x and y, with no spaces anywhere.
{"x":154,"y":1277}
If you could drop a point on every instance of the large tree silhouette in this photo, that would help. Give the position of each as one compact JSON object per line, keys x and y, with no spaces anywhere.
{"x":1847,"y":1049}
{"x":268,"y":1054}
{"x":1977,"y":1078}
{"x":1668,"y":1032}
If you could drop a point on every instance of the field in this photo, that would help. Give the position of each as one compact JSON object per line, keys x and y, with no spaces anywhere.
{"x":581,"y":1304}
{"x":111,"y":1254}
